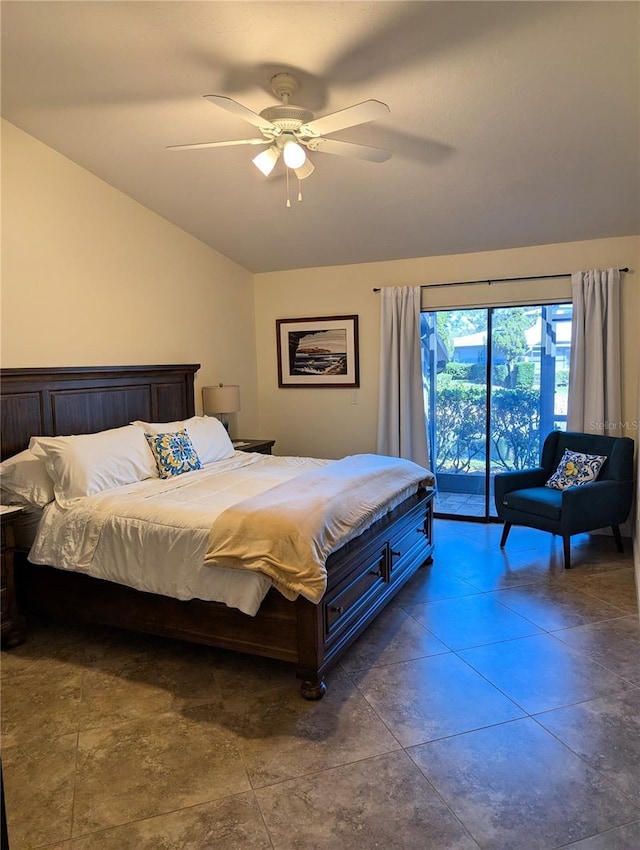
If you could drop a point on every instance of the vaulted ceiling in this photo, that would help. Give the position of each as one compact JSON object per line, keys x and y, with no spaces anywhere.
{"x":511,"y":123}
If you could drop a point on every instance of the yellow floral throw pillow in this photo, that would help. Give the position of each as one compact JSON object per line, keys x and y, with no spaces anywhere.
{"x":174,"y":453}
{"x":574,"y":469}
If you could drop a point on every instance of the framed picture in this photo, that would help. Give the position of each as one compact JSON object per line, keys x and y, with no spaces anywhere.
{"x":319,"y":352}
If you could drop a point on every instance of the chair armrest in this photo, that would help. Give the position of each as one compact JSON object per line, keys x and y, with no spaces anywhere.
{"x":520,"y":479}
{"x":597,"y":504}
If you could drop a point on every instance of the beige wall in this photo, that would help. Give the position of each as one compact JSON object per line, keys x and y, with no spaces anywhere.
{"x":91,"y":277}
{"x":324,"y":422}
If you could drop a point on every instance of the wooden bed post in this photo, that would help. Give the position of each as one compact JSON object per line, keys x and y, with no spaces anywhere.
{"x":310,"y":649}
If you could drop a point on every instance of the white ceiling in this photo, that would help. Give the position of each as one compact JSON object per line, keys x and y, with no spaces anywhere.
{"x":512,"y":123}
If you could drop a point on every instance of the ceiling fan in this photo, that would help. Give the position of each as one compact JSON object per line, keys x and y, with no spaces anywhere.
{"x":288,"y":129}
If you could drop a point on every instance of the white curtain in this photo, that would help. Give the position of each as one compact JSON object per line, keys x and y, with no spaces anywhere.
{"x":594,"y":378}
{"x":402,"y":429}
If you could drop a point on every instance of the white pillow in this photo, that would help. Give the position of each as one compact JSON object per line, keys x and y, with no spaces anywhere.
{"x":207,"y":434}
{"x":86,"y":464}
{"x":25,"y":480}
{"x":161,"y":427}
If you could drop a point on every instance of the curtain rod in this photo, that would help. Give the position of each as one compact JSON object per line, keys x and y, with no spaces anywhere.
{"x":496,"y":280}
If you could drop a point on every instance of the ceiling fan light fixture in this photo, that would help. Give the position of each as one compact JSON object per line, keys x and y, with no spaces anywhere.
{"x":305,"y":170}
{"x":294,"y":154}
{"x":265,"y":161}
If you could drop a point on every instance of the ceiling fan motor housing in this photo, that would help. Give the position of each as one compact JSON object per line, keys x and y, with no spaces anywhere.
{"x":287,"y":117}
{"x":284,"y":85}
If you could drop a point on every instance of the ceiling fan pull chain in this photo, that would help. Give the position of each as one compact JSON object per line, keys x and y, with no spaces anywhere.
{"x":288,"y":198}
{"x":299,"y":189}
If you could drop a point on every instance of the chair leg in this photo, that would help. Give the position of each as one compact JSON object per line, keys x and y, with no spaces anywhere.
{"x":505,"y":534}
{"x":618,"y":537}
{"x":566,"y":546}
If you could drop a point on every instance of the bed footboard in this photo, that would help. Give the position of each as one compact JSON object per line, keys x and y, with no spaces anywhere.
{"x":363,"y":577}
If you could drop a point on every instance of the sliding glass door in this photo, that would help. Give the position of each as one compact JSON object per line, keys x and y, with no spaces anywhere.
{"x":496,"y":382}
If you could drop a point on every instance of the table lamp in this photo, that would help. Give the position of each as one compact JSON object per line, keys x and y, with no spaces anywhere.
{"x":220,"y":401}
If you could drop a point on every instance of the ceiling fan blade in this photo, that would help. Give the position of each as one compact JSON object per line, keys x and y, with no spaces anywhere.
{"x":218,"y":144}
{"x":243,"y":112}
{"x":349,"y":149}
{"x":360,"y":113}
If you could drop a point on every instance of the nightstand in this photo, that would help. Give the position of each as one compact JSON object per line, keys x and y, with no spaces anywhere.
{"x":263,"y":447}
{"x":13,"y":625}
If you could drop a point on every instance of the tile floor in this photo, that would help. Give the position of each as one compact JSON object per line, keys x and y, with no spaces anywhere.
{"x":494,"y":705}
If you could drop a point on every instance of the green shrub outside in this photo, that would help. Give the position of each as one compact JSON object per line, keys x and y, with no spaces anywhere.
{"x":478,"y":373}
{"x":458,"y":371}
{"x":525,"y":375}
{"x":461,"y":420}
{"x":500,"y":372}
{"x":461,"y":417}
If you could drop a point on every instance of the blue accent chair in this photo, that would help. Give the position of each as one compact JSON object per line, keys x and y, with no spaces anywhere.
{"x":522,"y":499}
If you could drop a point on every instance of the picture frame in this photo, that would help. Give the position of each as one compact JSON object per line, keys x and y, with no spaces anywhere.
{"x":318,"y":352}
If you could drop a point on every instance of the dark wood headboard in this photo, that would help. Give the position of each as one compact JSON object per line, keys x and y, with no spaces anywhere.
{"x":69,"y":400}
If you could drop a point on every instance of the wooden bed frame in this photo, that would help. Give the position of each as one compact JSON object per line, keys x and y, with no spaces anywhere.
{"x":362,"y":576}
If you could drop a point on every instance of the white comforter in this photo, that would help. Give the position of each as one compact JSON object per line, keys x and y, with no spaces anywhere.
{"x":153,"y":535}
{"x":289,"y":531}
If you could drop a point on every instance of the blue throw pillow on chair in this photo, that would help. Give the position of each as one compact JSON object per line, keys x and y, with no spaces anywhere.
{"x":574,"y":469}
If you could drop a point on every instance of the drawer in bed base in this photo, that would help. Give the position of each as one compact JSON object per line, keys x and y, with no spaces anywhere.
{"x":377,"y":574}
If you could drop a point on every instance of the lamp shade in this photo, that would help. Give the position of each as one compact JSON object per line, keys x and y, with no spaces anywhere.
{"x":266,"y":160}
{"x":306,"y":169}
{"x":221,"y":399}
{"x":294,"y":155}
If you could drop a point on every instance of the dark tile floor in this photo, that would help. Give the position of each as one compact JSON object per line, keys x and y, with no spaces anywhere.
{"x":494,"y":705}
